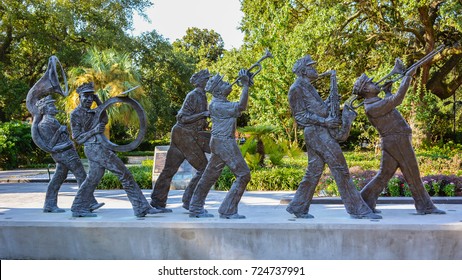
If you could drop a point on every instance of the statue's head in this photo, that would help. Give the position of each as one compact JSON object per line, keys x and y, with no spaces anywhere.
{"x":217,"y":87}
{"x":86,"y":93}
{"x":86,"y":88}
{"x":359,"y":87}
{"x":44,"y":107}
{"x":304,"y":66}
{"x":200,"y":78}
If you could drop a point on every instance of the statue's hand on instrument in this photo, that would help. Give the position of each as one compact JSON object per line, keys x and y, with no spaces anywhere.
{"x":411,"y":71}
{"x":63,"y":128}
{"x":387,"y":88}
{"x":206,"y":114}
{"x":245,"y":77}
{"x":331,"y":73}
{"x":331,"y":122}
{"x":99,"y":128}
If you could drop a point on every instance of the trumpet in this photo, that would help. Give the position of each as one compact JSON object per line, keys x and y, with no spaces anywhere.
{"x":401,"y":70}
{"x":255,"y":65}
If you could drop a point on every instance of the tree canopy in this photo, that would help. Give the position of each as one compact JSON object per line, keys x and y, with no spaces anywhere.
{"x":351,"y":37}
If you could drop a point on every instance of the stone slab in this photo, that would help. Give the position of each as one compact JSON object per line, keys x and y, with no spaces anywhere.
{"x":269,"y":232}
{"x":183,"y":176}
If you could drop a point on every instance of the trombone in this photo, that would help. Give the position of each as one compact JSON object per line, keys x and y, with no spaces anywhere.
{"x":400,"y":69}
{"x":256,"y":64}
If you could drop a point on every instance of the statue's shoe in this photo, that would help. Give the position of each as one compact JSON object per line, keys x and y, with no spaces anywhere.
{"x":202,"y":214}
{"x":163,"y":209}
{"x":371,"y":216}
{"x":83,"y":214}
{"x":299,"y":215}
{"x":54,"y":209}
{"x":232,"y":216}
{"x":431,"y":211}
{"x":96,"y":206}
{"x":149,"y":211}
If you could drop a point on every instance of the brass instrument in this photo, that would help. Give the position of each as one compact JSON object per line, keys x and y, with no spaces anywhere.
{"x":334,"y":97}
{"x":399,"y":69}
{"x":320,"y":77}
{"x":49,"y":83}
{"x":122,"y":98}
{"x":256,"y":64}
{"x":350,"y":102}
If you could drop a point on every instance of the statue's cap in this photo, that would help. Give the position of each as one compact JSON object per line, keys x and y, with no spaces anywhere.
{"x":302,"y":62}
{"x":200,"y":75}
{"x":213,"y":83}
{"x":86,"y":87}
{"x":44,"y":101}
{"x":359,"y":84}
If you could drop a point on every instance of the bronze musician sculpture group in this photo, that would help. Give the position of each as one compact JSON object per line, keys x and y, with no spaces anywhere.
{"x":323,"y":122}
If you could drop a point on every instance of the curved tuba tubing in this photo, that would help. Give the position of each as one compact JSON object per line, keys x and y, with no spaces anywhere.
{"x":47,"y":84}
{"x":123,"y":98}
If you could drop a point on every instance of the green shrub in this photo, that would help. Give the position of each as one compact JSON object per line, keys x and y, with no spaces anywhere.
{"x":17,"y":148}
{"x":141,"y":174}
{"x":327,"y":187}
{"x":449,"y":189}
{"x":269,"y":179}
{"x":394,"y":186}
{"x":225,"y":180}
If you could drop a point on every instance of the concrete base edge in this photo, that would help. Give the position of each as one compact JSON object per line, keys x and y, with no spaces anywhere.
{"x":112,"y":241}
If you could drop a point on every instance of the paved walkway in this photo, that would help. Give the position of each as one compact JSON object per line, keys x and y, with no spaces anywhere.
{"x":24,"y":201}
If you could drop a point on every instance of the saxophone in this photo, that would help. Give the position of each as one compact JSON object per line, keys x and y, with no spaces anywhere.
{"x":347,"y":116}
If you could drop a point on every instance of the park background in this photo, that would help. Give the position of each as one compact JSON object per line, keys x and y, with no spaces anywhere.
{"x":95,"y":40}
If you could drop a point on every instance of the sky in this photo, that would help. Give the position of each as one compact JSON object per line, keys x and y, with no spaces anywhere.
{"x":171,"y":19}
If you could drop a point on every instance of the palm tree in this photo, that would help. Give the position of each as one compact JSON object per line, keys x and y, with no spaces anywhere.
{"x":260,"y":134}
{"x":112,"y":73}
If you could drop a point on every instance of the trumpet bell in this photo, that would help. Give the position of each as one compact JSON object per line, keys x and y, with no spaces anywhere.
{"x":399,"y":67}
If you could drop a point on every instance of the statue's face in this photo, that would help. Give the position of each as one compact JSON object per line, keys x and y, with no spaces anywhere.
{"x":50,"y":109}
{"x":310,"y":72}
{"x":370,"y":89}
{"x":225,"y":88}
{"x":202,"y":82}
{"x":86,"y":99}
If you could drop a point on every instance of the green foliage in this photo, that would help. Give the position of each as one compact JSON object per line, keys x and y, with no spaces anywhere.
{"x":260,"y":143}
{"x":394,"y":187}
{"x":225,"y":180}
{"x":142,"y":175}
{"x":270,"y":179}
{"x":206,"y":46}
{"x":17,"y":148}
{"x":11,"y":107}
{"x":449,"y":189}
{"x":351,"y":37}
{"x":327,"y":187}
{"x":32,"y":31}
{"x":253,"y":160}
{"x":165,"y":75}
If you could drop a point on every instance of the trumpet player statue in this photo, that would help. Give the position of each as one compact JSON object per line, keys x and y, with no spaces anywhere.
{"x":189,"y":141}
{"x":85,"y":130}
{"x":395,"y":135}
{"x":321,"y":127}
{"x":224,"y":149}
